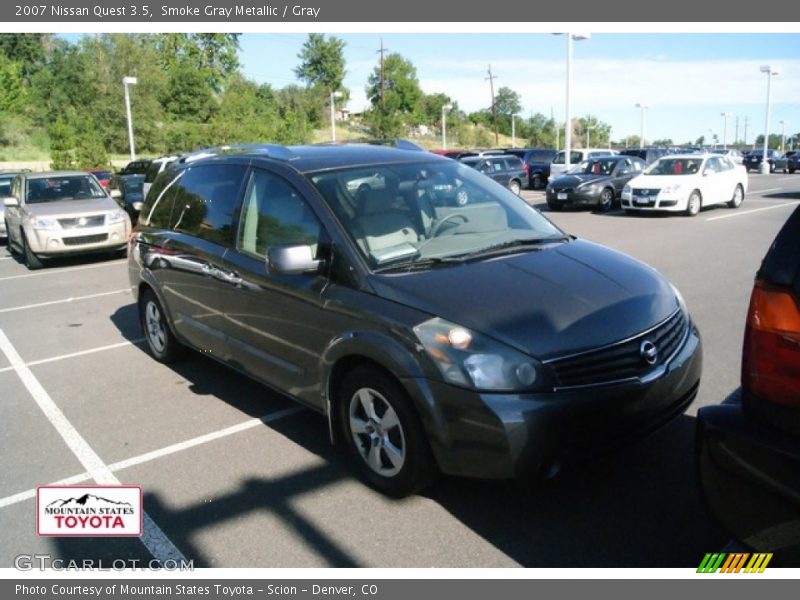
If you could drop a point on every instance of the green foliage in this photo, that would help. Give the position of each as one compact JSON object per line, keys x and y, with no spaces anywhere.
{"x":28,"y":49}
{"x":62,"y":144}
{"x":91,"y":151}
{"x":398,"y":104}
{"x":213,"y":55}
{"x":13,"y":94}
{"x":322,"y":62}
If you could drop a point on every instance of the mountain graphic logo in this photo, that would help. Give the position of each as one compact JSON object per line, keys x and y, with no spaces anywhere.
{"x":86,"y":501}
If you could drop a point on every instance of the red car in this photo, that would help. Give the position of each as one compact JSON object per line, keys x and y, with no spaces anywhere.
{"x":103,"y":176}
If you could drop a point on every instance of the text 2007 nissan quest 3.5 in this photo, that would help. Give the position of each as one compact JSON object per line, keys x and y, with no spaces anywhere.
{"x":438,"y":322}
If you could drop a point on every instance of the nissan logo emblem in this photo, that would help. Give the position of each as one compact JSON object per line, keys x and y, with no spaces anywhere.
{"x":82,"y":221}
{"x":648,"y":352}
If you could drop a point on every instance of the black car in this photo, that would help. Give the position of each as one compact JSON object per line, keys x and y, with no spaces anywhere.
{"x":537,"y":163}
{"x":476,"y":340}
{"x":597,"y":182}
{"x":128,"y":190}
{"x":505,"y":169}
{"x":136,"y":167}
{"x":776,"y":160}
{"x":748,"y":448}
{"x":793,"y":162}
{"x":648,"y":155}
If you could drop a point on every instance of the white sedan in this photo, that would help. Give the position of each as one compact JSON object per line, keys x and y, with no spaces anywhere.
{"x":686,"y":183}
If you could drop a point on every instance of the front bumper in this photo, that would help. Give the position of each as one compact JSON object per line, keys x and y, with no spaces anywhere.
{"x":574,"y":197}
{"x":676,"y":202}
{"x":749,"y":479}
{"x":78,"y":241}
{"x":503,"y":436}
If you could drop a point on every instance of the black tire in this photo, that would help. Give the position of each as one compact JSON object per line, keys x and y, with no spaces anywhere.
{"x":536,"y":181}
{"x":554,"y":206}
{"x":606,"y":201}
{"x":515,"y":186}
{"x":791,"y":171}
{"x":162,"y":343}
{"x":771,"y":167}
{"x":409,"y":465}
{"x":694,"y":204}
{"x":32,"y":261}
{"x":738,"y":197}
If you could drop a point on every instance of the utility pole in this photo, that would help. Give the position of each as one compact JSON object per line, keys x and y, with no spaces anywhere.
{"x":491,"y":79}
{"x":736,"y":137}
{"x":381,"y":51}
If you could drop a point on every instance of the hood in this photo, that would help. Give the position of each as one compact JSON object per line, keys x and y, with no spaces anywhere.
{"x":565,"y":298}
{"x":573,"y":181}
{"x":71,"y":208}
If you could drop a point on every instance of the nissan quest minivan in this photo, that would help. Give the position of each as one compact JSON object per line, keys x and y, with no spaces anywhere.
{"x":438,"y":322}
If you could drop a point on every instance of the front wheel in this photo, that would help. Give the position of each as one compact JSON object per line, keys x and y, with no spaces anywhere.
{"x":383,"y":433}
{"x":536,"y":182}
{"x":738,"y":197}
{"x":32,"y":261}
{"x":514,"y":186}
{"x":694,"y":204}
{"x":162,"y":343}
{"x":606,"y":200}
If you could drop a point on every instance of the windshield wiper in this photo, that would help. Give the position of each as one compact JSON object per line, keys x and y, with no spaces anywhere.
{"x":418,"y":263}
{"x":512,"y":246}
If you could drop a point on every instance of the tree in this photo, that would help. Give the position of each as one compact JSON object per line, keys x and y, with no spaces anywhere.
{"x":214,"y":55}
{"x":397,"y":105}
{"x":507,"y":101}
{"x":663,"y":142}
{"x":26,"y":48}
{"x":322,"y":62}
{"x":62,"y":143}
{"x":14,"y":93}
{"x":592,"y":128}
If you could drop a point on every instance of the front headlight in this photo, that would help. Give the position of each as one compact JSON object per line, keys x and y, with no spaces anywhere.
{"x":117,"y":216}
{"x":469,"y":359}
{"x":626,"y":189}
{"x":44,"y":223}
{"x":680,"y":299}
{"x":672,"y":189}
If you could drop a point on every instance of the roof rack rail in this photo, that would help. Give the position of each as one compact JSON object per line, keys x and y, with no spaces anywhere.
{"x":271,"y":150}
{"x":399,"y":143}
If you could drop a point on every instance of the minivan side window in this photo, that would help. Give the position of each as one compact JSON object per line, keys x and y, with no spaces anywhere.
{"x":274,"y":213}
{"x":158,"y":204}
{"x":206,"y":198}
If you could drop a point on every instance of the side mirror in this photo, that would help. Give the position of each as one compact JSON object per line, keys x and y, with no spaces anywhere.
{"x":116,"y":194}
{"x":292,"y":259}
{"x":10,"y":201}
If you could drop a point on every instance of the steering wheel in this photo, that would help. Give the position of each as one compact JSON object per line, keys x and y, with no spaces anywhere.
{"x":450,"y":217}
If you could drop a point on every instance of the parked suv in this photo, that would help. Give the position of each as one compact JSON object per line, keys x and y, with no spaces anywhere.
{"x":648,"y":155}
{"x":537,"y":164}
{"x":776,"y":160}
{"x":505,"y":169}
{"x":62,"y":212}
{"x":476,"y":340}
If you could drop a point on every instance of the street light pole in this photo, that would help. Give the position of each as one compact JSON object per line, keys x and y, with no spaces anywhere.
{"x":333,"y":114}
{"x":445,"y":108}
{"x":568,"y":117}
{"x":783,"y":135}
{"x":770,"y":71}
{"x":126,"y":81}
{"x":514,"y":132}
{"x":642,"y":107}
{"x":725,"y":116}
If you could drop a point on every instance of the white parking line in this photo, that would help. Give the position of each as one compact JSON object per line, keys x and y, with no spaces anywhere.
{"x":166,"y":451}
{"x":63,"y":301}
{"x":155,"y":540}
{"x":767,"y":191}
{"x":64,"y":270}
{"x":747,"y":212}
{"x":79,"y":353}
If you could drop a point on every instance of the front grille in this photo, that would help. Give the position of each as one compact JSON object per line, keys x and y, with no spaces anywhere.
{"x":77,"y":222}
{"x":85,"y":239}
{"x":622,"y":360}
{"x":645,"y":192}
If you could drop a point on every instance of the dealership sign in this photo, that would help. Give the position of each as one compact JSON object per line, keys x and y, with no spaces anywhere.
{"x":91,"y":510}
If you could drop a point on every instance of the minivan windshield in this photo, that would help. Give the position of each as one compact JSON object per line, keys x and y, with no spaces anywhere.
{"x":596,"y":166}
{"x":65,"y":187}
{"x":430,"y":212}
{"x":577,"y":157}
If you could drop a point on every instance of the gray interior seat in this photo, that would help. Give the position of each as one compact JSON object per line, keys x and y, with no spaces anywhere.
{"x":380,"y":225}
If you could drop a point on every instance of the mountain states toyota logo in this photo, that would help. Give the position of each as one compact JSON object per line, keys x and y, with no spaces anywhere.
{"x":92,"y":510}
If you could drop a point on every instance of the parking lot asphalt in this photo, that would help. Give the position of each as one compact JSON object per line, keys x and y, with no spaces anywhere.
{"x":236,"y":475}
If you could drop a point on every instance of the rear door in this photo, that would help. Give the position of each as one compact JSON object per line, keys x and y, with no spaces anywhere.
{"x":204,"y":212}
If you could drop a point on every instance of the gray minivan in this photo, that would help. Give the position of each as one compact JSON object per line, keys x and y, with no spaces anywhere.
{"x":471,"y":338}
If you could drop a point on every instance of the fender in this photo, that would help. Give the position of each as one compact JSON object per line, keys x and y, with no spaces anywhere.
{"x":399,"y":359}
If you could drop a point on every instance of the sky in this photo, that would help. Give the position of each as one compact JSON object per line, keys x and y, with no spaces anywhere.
{"x":687,"y":80}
